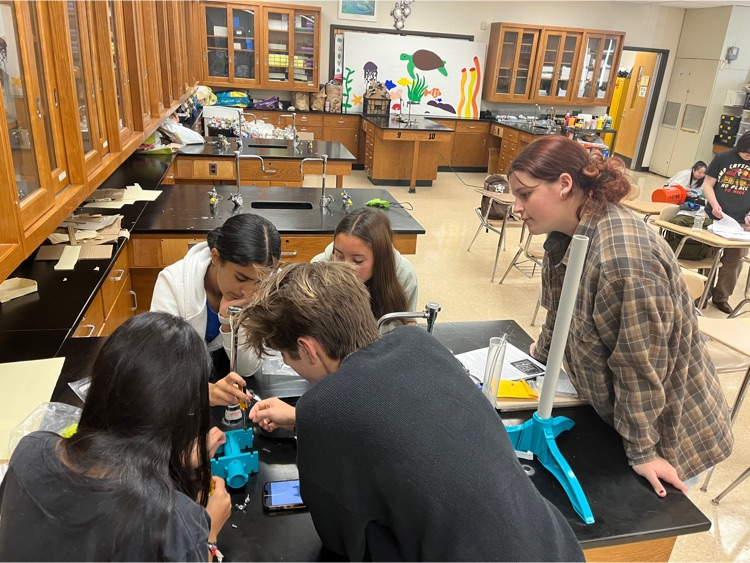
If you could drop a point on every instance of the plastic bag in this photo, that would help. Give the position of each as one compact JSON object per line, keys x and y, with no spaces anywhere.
{"x":301,"y":101}
{"x":231,"y":99}
{"x":269,"y":104}
{"x":181,"y":134}
{"x":204,"y":96}
{"x":81,"y":387}
{"x":52,"y":417}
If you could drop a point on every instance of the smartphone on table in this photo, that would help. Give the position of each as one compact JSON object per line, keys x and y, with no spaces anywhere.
{"x":282,"y":495}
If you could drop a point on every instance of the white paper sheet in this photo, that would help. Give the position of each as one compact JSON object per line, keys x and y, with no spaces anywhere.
{"x":25,"y":385}
{"x":516,"y":364}
{"x":729,"y":229}
{"x":132,"y":193}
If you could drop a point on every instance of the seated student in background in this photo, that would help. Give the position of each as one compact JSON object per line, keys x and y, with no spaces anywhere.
{"x":690,"y":179}
{"x":635,"y":351}
{"x":400,"y":456}
{"x":132,"y":484}
{"x":364,"y":239}
{"x":214,"y":275}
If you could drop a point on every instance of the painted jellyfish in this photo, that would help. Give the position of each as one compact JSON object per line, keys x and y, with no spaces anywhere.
{"x":371,"y":71}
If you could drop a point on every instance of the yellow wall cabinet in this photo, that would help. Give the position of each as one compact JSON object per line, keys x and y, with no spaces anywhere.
{"x":274,"y":46}
{"x":551,"y":65}
{"x":82,"y":83}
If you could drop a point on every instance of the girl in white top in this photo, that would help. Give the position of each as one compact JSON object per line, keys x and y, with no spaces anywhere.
{"x":690,"y":179}
{"x":214,"y":275}
{"x":364,"y":238}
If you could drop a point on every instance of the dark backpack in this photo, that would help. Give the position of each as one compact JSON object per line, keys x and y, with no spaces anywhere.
{"x":495,"y":183}
{"x":692,"y":249}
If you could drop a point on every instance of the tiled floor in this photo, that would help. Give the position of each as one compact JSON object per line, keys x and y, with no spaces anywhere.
{"x":460,"y":282}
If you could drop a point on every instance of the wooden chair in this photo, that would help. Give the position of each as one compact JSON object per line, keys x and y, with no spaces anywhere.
{"x":498,"y":226}
{"x":738,"y":309}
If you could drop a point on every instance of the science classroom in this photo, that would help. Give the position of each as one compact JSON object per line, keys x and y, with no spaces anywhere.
{"x":494,"y":254}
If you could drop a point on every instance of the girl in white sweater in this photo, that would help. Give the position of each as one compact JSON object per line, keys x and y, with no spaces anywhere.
{"x":214,"y":275}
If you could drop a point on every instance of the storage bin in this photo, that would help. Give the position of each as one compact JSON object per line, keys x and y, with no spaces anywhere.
{"x":376,"y":107}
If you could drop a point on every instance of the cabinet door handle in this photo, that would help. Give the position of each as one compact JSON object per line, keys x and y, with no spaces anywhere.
{"x":93,"y":91}
{"x":91,"y":328}
{"x":54,"y":96}
{"x":38,"y":107}
{"x":135,"y":300}
{"x":356,"y":137}
{"x":289,"y":253}
{"x":119,"y":276}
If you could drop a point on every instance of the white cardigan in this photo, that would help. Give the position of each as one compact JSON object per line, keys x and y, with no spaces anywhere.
{"x":179,"y":290}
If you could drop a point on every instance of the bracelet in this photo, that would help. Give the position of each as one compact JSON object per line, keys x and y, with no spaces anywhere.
{"x":214,"y":551}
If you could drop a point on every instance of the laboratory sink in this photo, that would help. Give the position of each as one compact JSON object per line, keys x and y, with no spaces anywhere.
{"x":281,"y":205}
{"x":265,"y":143}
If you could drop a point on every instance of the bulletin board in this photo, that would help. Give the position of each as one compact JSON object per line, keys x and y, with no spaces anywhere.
{"x":439,"y":76}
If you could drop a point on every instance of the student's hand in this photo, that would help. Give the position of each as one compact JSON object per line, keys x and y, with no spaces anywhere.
{"x":273,"y":413}
{"x":717,"y":212}
{"x":532,"y":348}
{"x":747,"y":219}
{"x":219,"y":508}
{"x":214,"y":439}
{"x":660,"y":470}
{"x":228,"y":391}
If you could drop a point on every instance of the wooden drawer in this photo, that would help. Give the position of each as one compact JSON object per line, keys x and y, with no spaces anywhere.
{"x":316,"y":131}
{"x":302,"y":248}
{"x":309,"y":119}
{"x":509,"y":134}
{"x":341,"y":120}
{"x":278,"y":172}
{"x":156,"y":252}
{"x":219,"y":169}
{"x":93,"y":319}
{"x":508,"y":146}
{"x":472,"y":126}
{"x":123,"y":308}
{"x":117,"y":278}
{"x":497,"y":130}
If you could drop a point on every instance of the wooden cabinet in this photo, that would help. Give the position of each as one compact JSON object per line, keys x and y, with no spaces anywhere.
{"x":344,"y":129}
{"x":512,"y":142}
{"x":551,"y":64}
{"x":115,"y":302}
{"x":471,"y":144}
{"x":511,"y":55}
{"x":556,"y":65}
{"x":595,"y":77}
{"x":260,"y":45}
{"x":82,"y":83}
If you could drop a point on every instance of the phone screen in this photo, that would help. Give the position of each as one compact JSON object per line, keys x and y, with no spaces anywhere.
{"x":282,"y":495}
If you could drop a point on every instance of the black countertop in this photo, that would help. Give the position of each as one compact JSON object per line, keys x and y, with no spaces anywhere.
{"x":624,"y":505}
{"x":420,"y":124}
{"x":269,"y":148}
{"x":185,"y":209}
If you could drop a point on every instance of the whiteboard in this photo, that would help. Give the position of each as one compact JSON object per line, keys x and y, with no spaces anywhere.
{"x":442,"y":76}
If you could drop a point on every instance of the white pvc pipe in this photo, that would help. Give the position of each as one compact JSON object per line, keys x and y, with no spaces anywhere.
{"x":578,"y":247}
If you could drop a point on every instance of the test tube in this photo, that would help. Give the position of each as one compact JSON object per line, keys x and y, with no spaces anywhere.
{"x":493,"y":368}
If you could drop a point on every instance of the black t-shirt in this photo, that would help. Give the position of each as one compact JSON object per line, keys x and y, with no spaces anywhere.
{"x":50,"y":513}
{"x":732,"y":173}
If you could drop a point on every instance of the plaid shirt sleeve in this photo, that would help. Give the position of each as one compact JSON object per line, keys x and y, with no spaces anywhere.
{"x":632,"y":321}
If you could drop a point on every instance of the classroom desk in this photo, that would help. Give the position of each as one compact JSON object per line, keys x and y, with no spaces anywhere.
{"x":706,"y":237}
{"x":648,"y":208}
{"x":632,"y":523}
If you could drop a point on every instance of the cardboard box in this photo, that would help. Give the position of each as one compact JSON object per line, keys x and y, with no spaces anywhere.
{"x":16,"y":287}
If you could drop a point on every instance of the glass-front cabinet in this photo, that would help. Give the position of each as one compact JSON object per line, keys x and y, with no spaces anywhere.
{"x":511,"y":58}
{"x":255,"y":46}
{"x":594,"y":82}
{"x":558,"y":54}
{"x":26,"y":116}
{"x":231,"y":53}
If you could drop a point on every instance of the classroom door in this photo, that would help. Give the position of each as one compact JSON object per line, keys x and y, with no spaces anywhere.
{"x":636,"y":104}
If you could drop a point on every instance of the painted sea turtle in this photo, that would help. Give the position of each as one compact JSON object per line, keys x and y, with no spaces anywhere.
{"x":424,"y":60}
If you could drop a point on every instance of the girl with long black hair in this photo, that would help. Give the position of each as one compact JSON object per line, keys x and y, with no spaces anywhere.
{"x":133,"y":483}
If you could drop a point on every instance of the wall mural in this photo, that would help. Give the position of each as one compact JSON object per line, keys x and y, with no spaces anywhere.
{"x":436,"y":76}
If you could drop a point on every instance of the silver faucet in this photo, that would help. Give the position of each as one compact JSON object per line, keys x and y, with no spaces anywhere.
{"x":236,"y":197}
{"x":325,"y":200}
{"x":430,"y":313}
{"x":550,"y":111}
{"x":536,"y":114}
